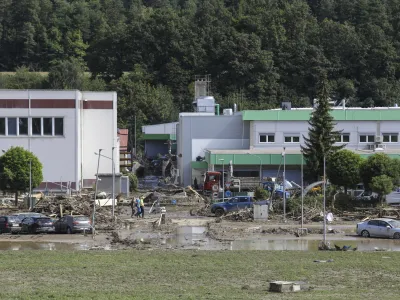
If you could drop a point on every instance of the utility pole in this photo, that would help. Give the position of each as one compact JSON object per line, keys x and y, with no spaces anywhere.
{"x":95,"y":195}
{"x":30,"y":183}
{"x":223,"y":180}
{"x":324,"y":200}
{"x":284,"y":185}
{"x":302,"y":191}
{"x":135,"y":137}
{"x":113,"y":183}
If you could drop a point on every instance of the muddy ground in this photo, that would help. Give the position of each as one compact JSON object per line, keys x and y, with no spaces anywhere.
{"x":183,"y":231}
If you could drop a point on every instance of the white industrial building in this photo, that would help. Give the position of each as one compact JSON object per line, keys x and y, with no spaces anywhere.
{"x":250,"y":142}
{"x":63,"y":129}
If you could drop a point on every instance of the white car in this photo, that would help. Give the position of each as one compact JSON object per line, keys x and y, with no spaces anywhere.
{"x":381,"y":227}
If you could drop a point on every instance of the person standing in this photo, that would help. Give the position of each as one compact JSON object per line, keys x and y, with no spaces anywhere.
{"x":142,"y":206}
{"x":133,"y":205}
{"x":138,"y":208}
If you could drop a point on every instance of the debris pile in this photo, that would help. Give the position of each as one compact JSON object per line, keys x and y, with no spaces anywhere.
{"x":77,"y":205}
{"x":245,"y":215}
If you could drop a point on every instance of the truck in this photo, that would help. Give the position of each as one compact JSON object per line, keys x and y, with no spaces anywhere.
{"x":213,"y":184}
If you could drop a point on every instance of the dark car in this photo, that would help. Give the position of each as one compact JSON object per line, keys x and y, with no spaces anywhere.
{"x":233,"y":204}
{"x":21,"y":216}
{"x":37,"y":225}
{"x":9,"y":224}
{"x":72,"y":224}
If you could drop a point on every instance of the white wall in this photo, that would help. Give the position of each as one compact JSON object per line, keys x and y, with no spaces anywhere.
{"x":354,"y":128}
{"x":99,"y":131}
{"x":56,"y":153}
{"x":65,"y":157}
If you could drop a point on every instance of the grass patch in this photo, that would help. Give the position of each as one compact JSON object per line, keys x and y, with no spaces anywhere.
{"x":195,"y":274}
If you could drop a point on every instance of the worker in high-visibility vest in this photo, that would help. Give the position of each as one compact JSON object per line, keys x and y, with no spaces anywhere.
{"x":142,"y":206}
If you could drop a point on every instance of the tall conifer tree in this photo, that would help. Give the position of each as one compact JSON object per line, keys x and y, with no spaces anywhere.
{"x":321,"y":134}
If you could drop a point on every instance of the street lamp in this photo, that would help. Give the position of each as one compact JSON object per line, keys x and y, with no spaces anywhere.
{"x":302,"y":190}
{"x":260,"y":165}
{"x":324,"y":200}
{"x":223,"y":180}
{"x":95,"y":193}
{"x":284,"y":184}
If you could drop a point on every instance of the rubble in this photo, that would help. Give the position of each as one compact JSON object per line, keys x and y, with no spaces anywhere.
{"x":77,"y":205}
{"x":245,"y":215}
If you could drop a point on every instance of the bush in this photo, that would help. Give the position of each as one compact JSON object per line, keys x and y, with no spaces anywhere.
{"x":260,"y":194}
{"x":133,"y":182}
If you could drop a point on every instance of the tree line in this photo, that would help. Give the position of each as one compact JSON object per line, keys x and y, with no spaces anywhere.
{"x":258,"y":52}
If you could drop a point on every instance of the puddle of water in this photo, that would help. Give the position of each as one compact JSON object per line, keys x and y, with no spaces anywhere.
{"x":195,"y":237}
{"x":41,"y":246}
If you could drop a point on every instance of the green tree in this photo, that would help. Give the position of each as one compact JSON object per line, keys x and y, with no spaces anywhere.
{"x":66,"y":75}
{"x":382,"y":185}
{"x":321,"y":138}
{"x":260,"y":194}
{"x":24,"y":79}
{"x":133,"y":182}
{"x":15,"y":171}
{"x":377,"y":165}
{"x":343,"y":169}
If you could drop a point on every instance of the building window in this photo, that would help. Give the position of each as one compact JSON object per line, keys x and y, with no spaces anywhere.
{"x":36,"y":126}
{"x":292,"y":139}
{"x":12,"y":126}
{"x":390,"y":138}
{"x":23,"y":126}
{"x":2,"y":126}
{"x":267,"y":138}
{"x":343,"y":138}
{"x":367,"y":138}
{"x":47,"y":126}
{"x":58,"y":126}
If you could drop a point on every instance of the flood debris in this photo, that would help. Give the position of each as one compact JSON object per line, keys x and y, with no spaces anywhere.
{"x":288,"y":286}
{"x":78,"y":205}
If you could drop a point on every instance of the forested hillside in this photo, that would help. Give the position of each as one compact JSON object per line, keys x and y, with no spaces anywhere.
{"x":258,"y":52}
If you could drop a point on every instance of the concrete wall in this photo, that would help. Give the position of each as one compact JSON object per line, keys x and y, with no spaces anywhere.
{"x":299,"y":128}
{"x":198,"y":133}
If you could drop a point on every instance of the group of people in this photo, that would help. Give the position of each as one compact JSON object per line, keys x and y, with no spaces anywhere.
{"x":138,"y":207}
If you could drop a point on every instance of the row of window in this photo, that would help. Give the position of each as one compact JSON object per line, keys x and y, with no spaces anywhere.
{"x":22,"y":126}
{"x":343,"y":138}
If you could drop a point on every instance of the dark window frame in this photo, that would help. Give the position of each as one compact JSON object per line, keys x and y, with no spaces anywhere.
{"x":34,"y":126}
{"x":46,"y":125}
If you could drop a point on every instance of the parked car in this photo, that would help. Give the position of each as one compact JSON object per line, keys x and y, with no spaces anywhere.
{"x":37,"y":225}
{"x":21,"y":216}
{"x":367,"y":196}
{"x":381,"y":227}
{"x":233,"y":204}
{"x":72,"y":224}
{"x":9,"y":224}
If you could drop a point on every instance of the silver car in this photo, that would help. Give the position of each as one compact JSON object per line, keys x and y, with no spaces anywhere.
{"x":381,"y":227}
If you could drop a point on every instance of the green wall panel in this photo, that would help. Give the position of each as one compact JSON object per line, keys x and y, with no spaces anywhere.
{"x":385,"y":114}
